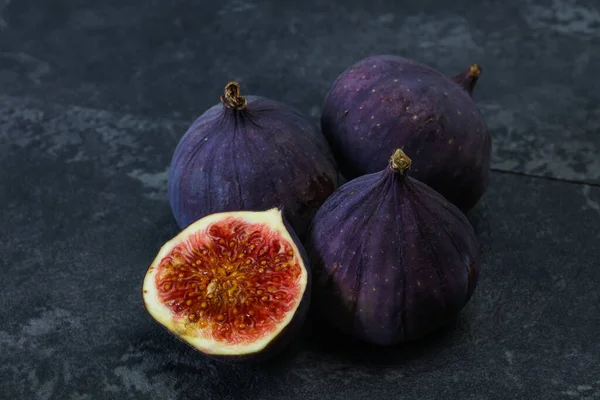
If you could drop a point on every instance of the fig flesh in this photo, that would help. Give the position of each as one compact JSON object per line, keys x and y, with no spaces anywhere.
{"x":251,"y":153}
{"x":393,"y":260}
{"x":387,"y":102}
{"x":232,"y":285}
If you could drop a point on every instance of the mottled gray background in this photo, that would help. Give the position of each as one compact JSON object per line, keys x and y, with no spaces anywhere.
{"x":94,"y":96}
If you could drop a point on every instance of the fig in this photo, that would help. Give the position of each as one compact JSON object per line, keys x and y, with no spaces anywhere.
{"x":393,"y":260}
{"x":386,"y":102}
{"x":251,"y":153}
{"x":233,"y":285}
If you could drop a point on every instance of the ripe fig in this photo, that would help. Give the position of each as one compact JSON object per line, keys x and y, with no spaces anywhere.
{"x":251,"y":153}
{"x":233,"y":285}
{"x":393,"y":259}
{"x":386,"y":102}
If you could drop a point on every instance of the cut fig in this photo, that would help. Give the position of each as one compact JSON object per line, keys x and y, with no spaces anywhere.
{"x":393,"y":259}
{"x":233,"y":285}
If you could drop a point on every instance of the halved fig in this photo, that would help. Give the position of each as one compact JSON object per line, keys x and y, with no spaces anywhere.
{"x":233,"y":285}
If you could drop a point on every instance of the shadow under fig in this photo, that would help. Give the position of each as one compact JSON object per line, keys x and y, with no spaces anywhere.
{"x":322,"y":339}
{"x":192,"y":374}
{"x":480,"y":219}
{"x":198,"y":376}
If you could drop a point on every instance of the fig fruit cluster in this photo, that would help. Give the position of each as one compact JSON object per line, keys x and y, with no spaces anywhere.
{"x":387,"y":257}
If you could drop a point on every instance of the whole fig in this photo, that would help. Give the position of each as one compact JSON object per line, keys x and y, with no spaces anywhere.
{"x":386,"y":102}
{"x":251,"y":153}
{"x":393,"y":260}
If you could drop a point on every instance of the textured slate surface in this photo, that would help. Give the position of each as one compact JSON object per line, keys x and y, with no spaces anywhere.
{"x":85,"y":212}
{"x":539,"y":90}
{"x":94,"y":96}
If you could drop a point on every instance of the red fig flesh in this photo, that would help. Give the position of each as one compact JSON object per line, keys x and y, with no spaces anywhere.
{"x":229,"y":284}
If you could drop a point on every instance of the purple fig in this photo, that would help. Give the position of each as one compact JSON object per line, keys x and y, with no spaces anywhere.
{"x":251,"y":153}
{"x":386,"y":102}
{"x":393,"y":260}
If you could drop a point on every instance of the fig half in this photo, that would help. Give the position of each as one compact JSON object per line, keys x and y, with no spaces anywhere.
{"x":386,"y":102}
{"x":233,"y":285}
{"x":393,"y":259}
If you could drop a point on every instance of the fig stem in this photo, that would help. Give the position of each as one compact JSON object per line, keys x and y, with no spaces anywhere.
{"x":469,"y":78}
{"x":474,"y":71}
{"x":232,"y":97}
{"x":400,"y":162}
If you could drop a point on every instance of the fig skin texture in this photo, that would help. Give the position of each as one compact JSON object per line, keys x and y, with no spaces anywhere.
{"x":392,"y":259}
{"x":251,"y":153}
{"x":387,"y":102}
{"x":234,"y":285}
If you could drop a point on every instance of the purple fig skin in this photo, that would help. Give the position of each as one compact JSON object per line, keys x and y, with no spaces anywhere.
{"x":387,"y":102}
{"x":392,"y":259}
{"x":252,"y":154}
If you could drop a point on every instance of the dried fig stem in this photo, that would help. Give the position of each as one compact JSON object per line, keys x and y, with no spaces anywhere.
{"x":469,"y":78}
{"x":474,"y":71}
{"x":232,"y":97}
{"x":400,"y":162}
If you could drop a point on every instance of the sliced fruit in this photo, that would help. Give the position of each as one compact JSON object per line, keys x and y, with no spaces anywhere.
{"x":230,"y":284}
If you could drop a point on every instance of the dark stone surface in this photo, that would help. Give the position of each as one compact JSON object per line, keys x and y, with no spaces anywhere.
{"x":538,"y":92}
{"x":95,"y":95}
